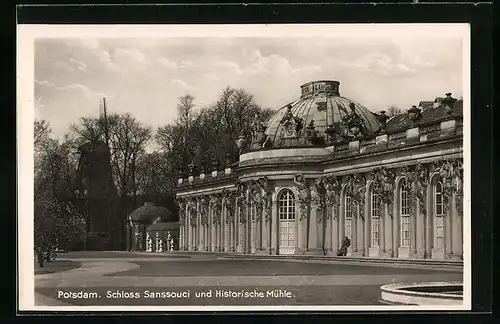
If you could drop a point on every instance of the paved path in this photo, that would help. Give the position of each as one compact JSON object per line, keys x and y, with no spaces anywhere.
{"x":310,"y":282}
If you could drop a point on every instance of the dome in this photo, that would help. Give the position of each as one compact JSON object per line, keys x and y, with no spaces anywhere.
{"x":320,"y":116}
{"x":149,"y":213}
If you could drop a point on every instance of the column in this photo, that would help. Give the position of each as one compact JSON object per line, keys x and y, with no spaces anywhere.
{"x":210,"y":227}
{"x":274,"y":227}
{"x":420,"y":232}
{"x":320,"y":231}
{"x":181,"y":237}
{"x":222,"y":230}
{"x":334,"y":230}
{"x":341,"y":223}
{"x":327,"y":230}
{"x":313,"y":247}
{"x":301,"y":243}
{"x":266,"y":240}
{"x":354,"y":224}
{"x":241,"y":227}
{"x":201,"y":232}
{"x":382,"y":230}
{"x":225,"y":225}
{"x":448,"y":233}
{"x":457,"y":233}
{"x":367,"y":222}
{"x":395,"y":221}
{"x":237,"y":226}
{"x":414,"y":229}
{"x":428,"y":223}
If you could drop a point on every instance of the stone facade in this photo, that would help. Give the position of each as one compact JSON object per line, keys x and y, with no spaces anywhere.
{"x":396,"y":194}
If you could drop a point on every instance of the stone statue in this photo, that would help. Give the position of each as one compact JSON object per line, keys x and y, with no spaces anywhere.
{"x":292,"y":125}
{"x":301,"y":183}
{"x":157,"y":242}
{"x":259,"y":136}
{"x":160,"y":248}
{"x":149,"y":243}
{"x":304,"y":195}
{"x":170,"y":240}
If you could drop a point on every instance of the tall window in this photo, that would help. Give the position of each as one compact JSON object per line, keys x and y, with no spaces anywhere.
{"x":375,"y":219}
{"x":287,"y":218}
{"x":348,"y":216}
{"x":287,"y":205}
{"x":405,"y":215}
{"x":253,"y":211}
{"x":438,"y":216}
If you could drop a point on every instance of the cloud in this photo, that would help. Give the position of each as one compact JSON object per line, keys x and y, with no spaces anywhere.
{"x":232,"y":66}
{"x":81,"y":66}
{"x":38,"y":103}
{"x":86,"y":91}
{"x":91,"y":43}
{"x":186,"y":64}
{"x":129,"y":55}
{"x":167,"y":63}
{"x":380,"y":63}
{"x":103,"y":56}
{"x":211,"y":77}
{"x":180,"y":84}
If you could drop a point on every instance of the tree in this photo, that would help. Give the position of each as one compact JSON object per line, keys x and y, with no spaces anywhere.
{"x":127,"y":140}
{"x":56,"y":219}
{"x":210,"y":133}
{"x":393,"y":111}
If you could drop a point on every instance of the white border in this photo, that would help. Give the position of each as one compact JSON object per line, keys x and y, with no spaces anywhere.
{"x":25,"y":117}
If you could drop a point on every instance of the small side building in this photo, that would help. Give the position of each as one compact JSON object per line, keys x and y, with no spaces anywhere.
{"x":153,"y":228}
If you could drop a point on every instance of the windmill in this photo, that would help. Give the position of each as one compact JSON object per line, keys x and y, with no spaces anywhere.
{"x":95,"y":187}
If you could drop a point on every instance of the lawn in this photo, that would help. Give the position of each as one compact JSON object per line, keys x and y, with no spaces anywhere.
{"x":56,"y":266}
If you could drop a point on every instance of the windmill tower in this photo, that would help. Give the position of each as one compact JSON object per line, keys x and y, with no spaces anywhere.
{"x":94,"y":182}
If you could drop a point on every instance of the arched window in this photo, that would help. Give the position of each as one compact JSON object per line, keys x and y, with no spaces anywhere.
{"x":287,"y":205}
{"x":438,"y":216}
{"x":348,"y":216}
{"x":286,"y":213}
{"x":405,"y":214}
{"x":375,"y":219}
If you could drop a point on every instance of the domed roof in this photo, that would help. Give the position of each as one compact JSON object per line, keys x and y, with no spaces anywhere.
{"x":319,"y":107}
{"x":149,"y":213}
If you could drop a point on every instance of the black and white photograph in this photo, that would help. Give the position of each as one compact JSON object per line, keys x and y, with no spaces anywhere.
{"x":244,"y":167}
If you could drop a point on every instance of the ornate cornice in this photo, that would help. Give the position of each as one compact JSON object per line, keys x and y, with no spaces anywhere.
{"x":450,"y":173}
{"x":383,"y":185}
{"x":228,"y":202}
{"x":318,"y":193}
{"x":216,"y":208}
{"x":203,"y":206}
{"x":417,"y":177}
{"x":333,"y":187}
{"x":356,"y":187}
{"x":181,"y":204}
{"x":266,"y":190}
{"x":193,"y":211}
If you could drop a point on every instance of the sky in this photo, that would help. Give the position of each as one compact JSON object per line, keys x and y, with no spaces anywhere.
{"x":146,"y":76}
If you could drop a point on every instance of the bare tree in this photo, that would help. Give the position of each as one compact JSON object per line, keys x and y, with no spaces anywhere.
{"x":56,"y":219}
{"x":394,"y":111}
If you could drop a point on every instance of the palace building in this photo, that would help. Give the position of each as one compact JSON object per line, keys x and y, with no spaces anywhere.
{"x":324,"y":168}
